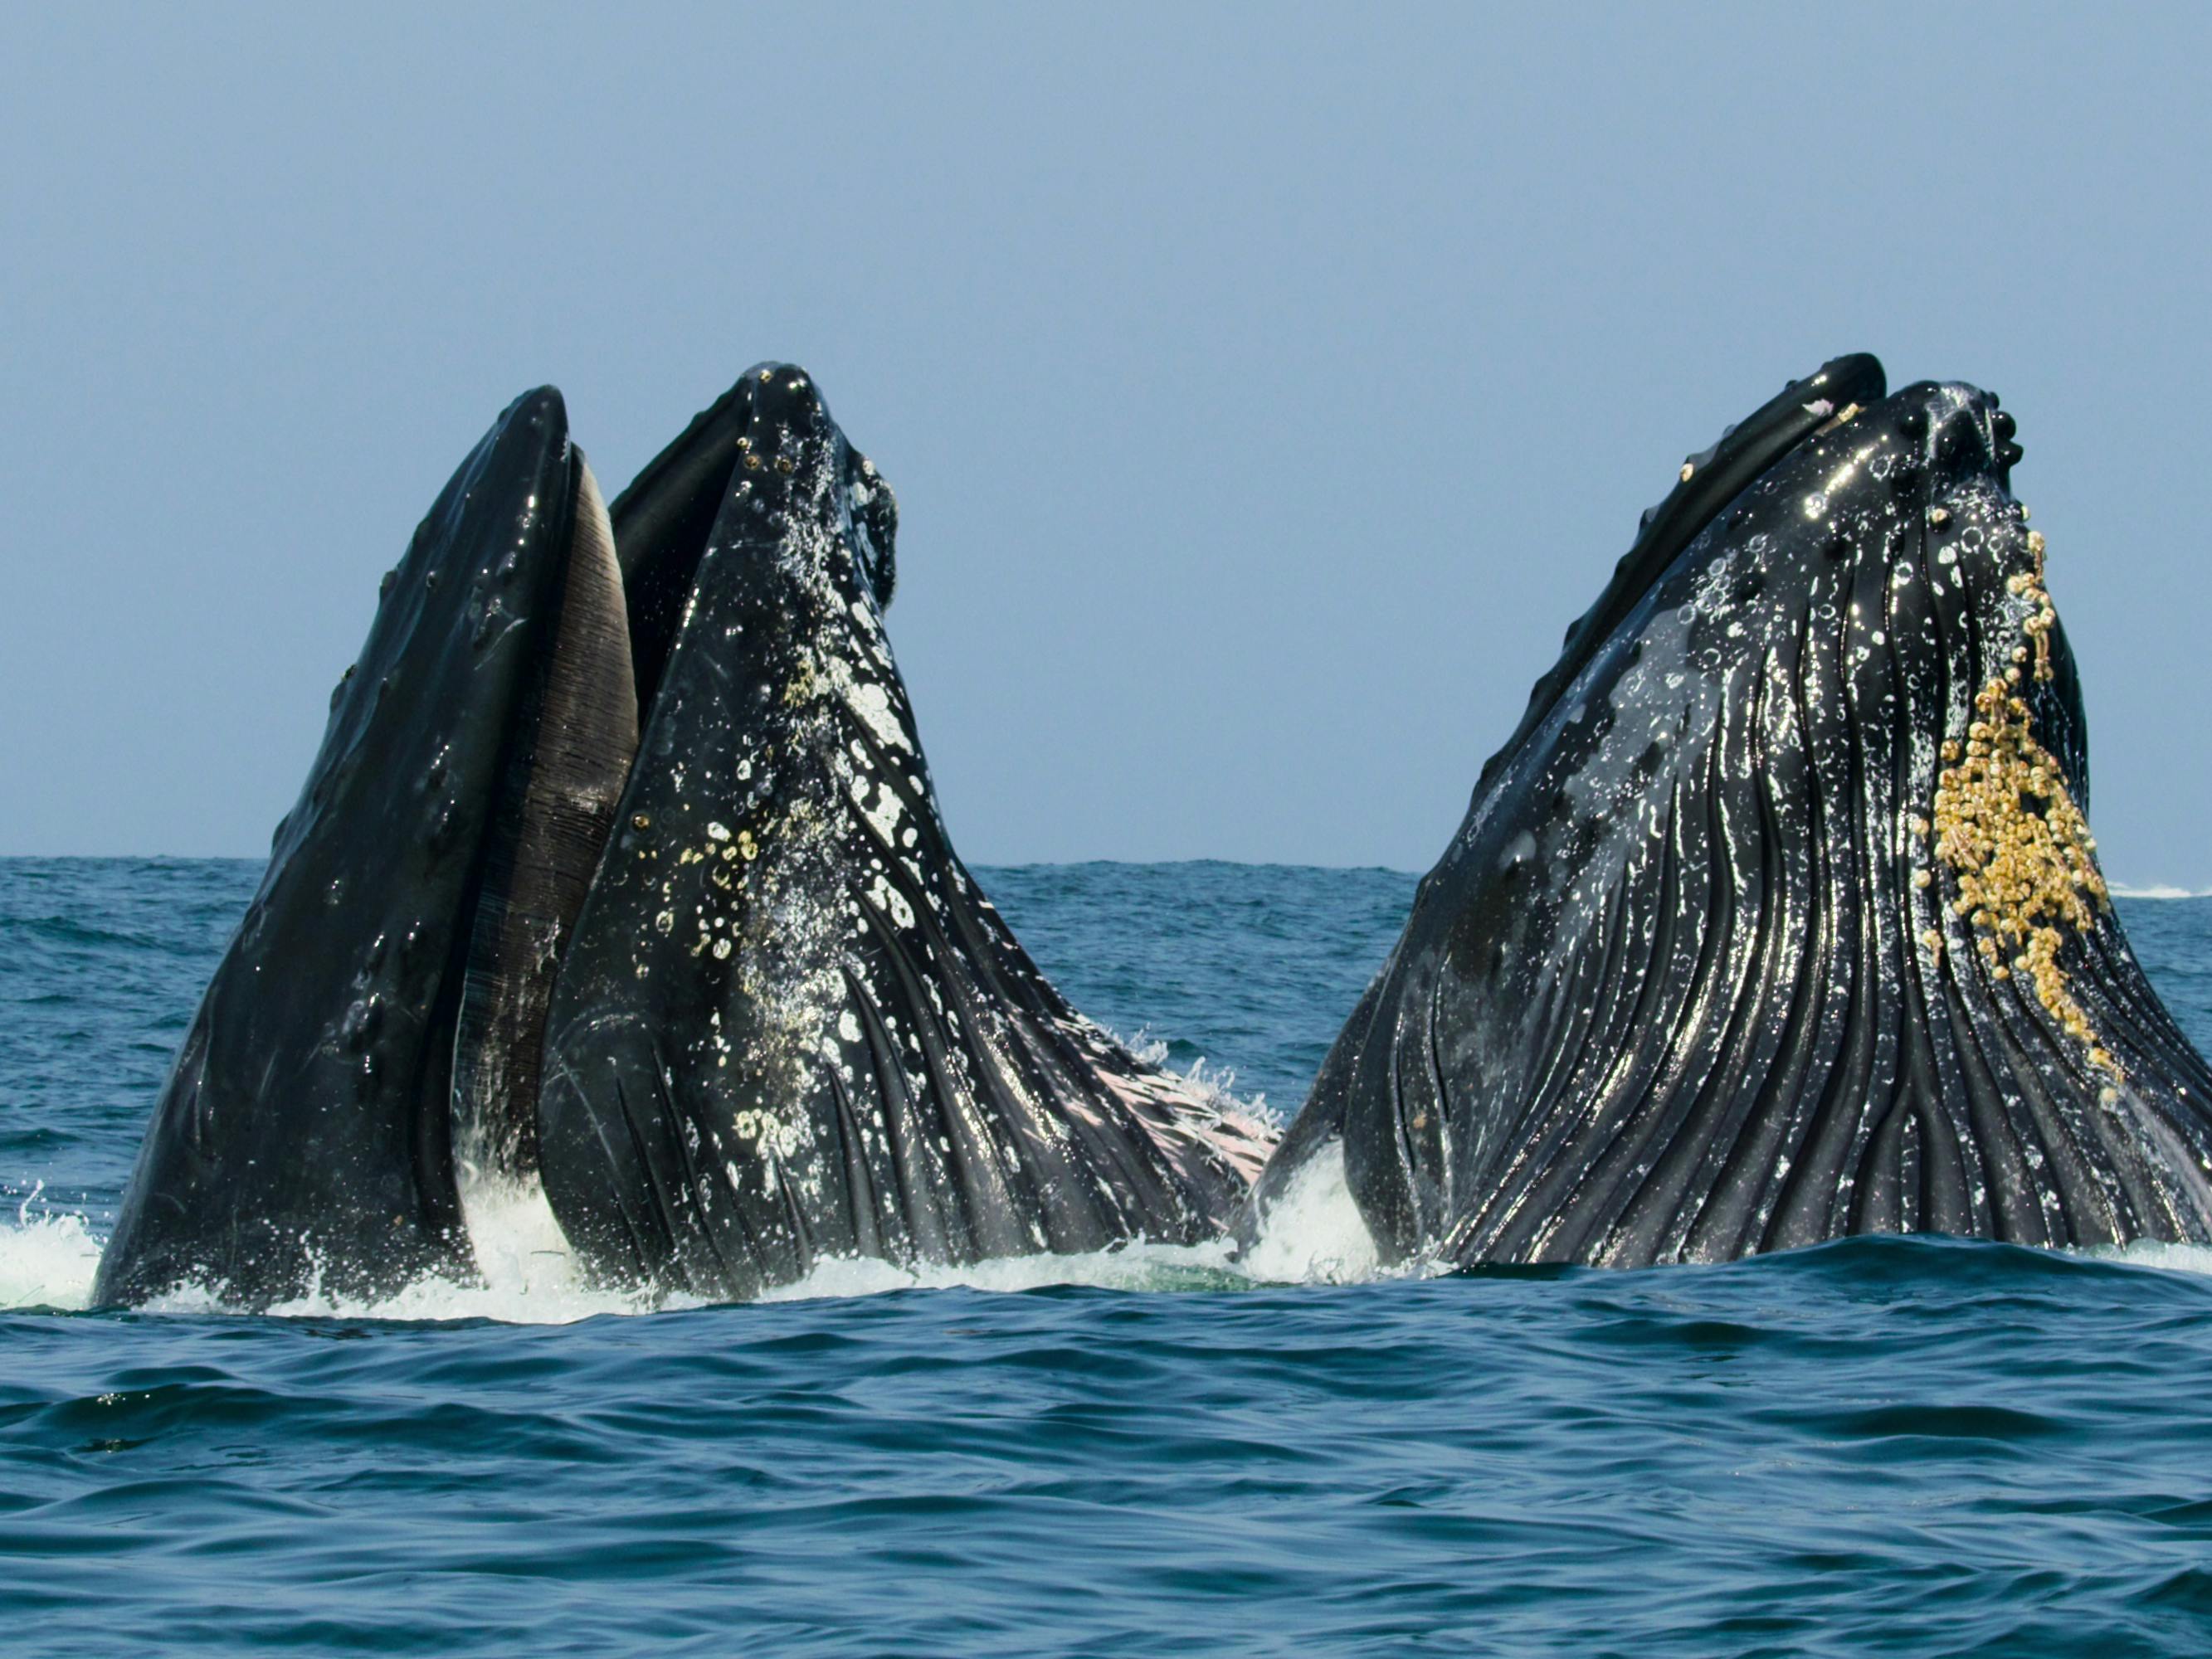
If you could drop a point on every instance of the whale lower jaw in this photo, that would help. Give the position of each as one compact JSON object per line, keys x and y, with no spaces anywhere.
{"x":789,"y":1026}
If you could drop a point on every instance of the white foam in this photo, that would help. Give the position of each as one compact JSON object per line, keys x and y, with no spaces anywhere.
{"x":528,"y":1275}
{"x":2175,"y":1258}
{"x":1139,"y":1267}
{"x":2157,"y":891}
{"x":1313,"y":1234}
{"x":47,"y":1257}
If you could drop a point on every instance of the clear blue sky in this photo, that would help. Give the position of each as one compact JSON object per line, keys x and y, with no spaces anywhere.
{"x":1265,"y":389}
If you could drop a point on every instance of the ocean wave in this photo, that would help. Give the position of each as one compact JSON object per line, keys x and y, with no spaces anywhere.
{"x":68,"y":930}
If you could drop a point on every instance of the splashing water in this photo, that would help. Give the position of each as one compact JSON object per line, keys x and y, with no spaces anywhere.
{"x":48,"y":1258}
{"x":1314,"y":1236}
{"x":529,"y":1277}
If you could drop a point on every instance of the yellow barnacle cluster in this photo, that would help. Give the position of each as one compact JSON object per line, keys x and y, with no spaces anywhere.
{"x":2007,"y":825}
{"x":2039,"y":625}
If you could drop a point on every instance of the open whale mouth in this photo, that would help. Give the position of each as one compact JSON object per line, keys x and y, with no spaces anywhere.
{"x":619,"y":876}
{"x":626,"y":589}
{"x":371,"y":1044}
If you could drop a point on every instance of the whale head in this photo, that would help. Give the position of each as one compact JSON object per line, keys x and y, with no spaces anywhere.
{"x":1778,"y":917}
{"x":620,"y":877}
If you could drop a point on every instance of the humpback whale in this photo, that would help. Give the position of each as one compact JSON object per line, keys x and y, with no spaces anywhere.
{"x":620,"y":874}
{"x":1777,"y":917}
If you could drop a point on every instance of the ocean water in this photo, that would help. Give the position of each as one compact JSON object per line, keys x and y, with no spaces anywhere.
{"x":1908,"y":1446}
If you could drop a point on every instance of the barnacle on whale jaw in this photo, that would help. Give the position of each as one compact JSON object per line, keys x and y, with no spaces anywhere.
{"x":2006,"y":823}
{"x":2021,"y":856}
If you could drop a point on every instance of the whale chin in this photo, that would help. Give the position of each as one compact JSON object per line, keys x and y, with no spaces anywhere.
{"x":619,"y":875}
{"x":1778,"y":917}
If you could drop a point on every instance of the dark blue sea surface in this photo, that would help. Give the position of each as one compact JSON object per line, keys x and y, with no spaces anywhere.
{"x":1908,"y":1446}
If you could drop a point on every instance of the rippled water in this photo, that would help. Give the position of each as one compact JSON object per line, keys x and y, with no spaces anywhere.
{"x":1887,"y":1446}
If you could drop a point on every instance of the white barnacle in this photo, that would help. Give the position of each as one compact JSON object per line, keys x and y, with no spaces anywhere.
{"x":883,"y":816}
{"x":873,"y":704}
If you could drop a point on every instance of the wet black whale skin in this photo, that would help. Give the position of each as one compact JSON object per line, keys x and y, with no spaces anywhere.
{"x":790,"y":1025}
{"x":1692,"y":981}
{"x":304,"y":1135}
{"x":870,"y":1063}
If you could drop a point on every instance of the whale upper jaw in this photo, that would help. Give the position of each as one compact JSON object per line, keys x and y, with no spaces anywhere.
{"x":1778,"y":918}
{"x":458,"y":948}
{"x":305,"y":1134}
{"x":1833,"y":393}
